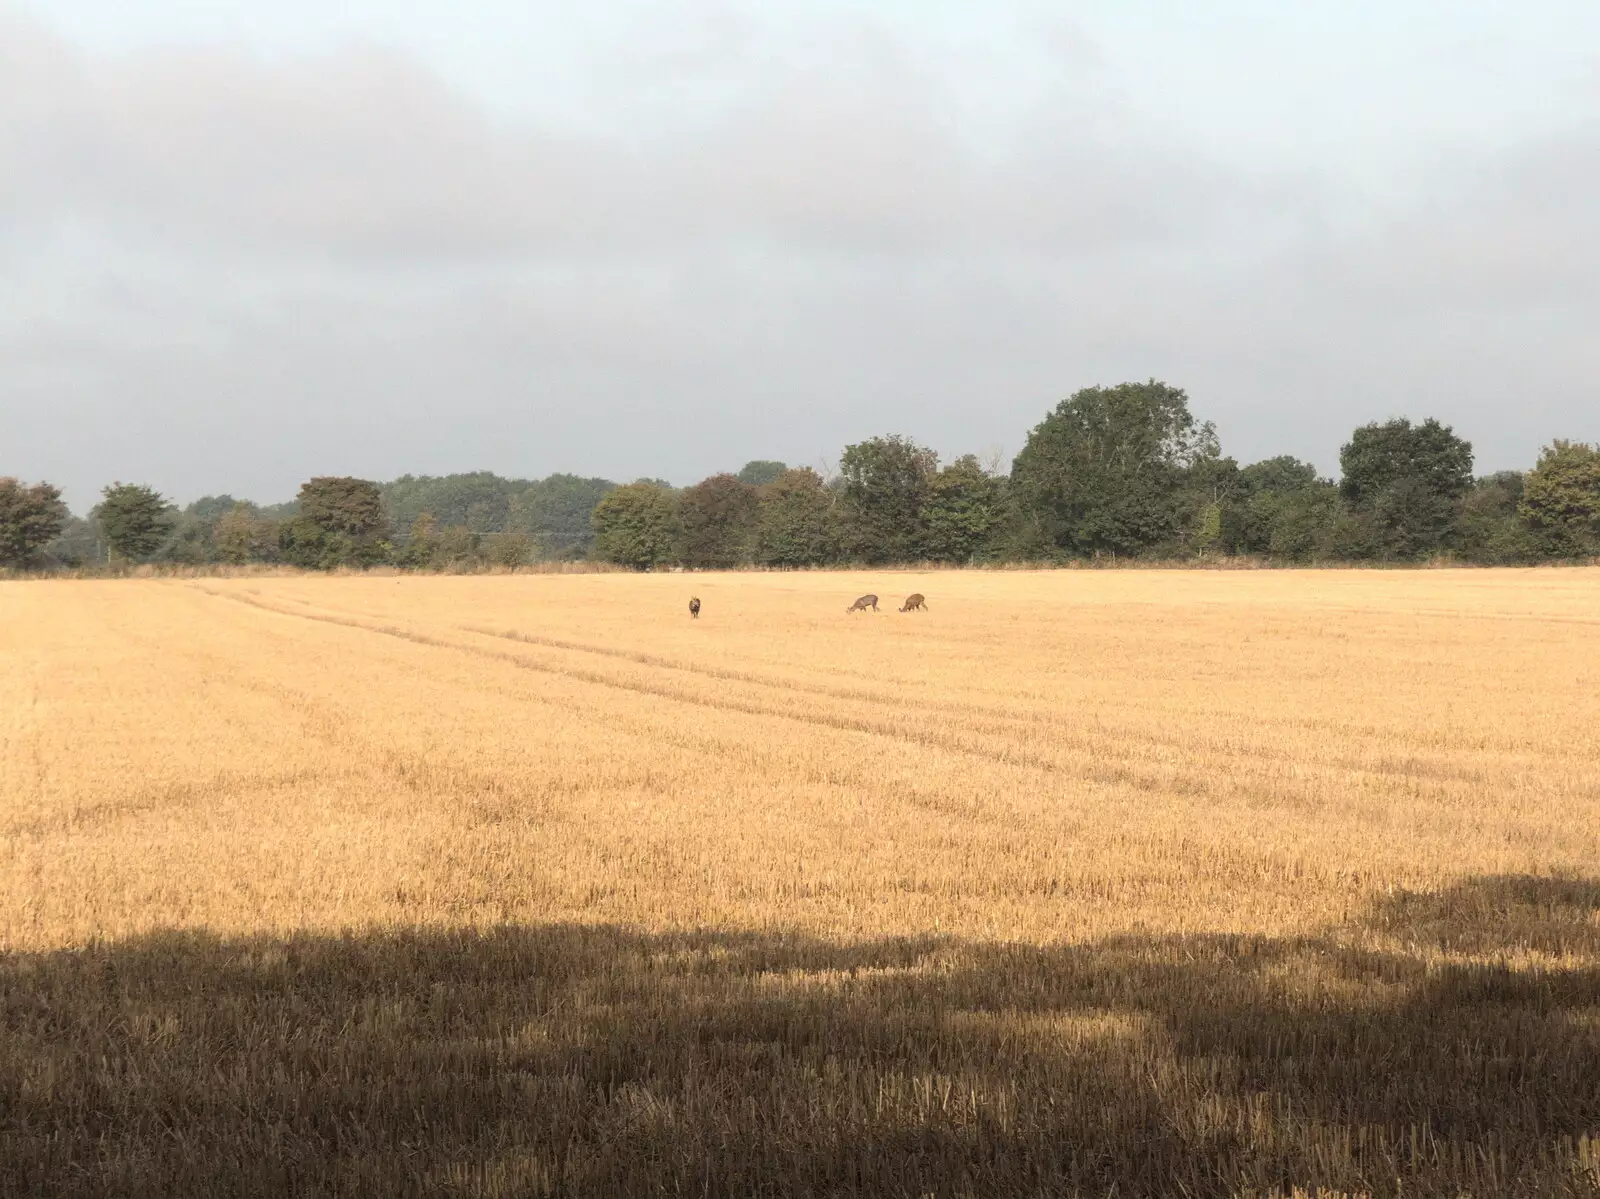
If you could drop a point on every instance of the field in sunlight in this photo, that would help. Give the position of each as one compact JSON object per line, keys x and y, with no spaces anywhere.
{"x":1125,"y":882}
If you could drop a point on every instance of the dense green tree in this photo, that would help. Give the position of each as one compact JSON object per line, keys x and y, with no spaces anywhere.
{"x":1490,"y":529}
{"x":718,"y":517}
{"x":280,"y":512}
{"x":134,"y":519}
{"x":417,"y":549}
{"x":761,"y":472}
{"x":340,"y":522}
{"x":886,"y":483}
{"x":195,"y":537}
{"x":637,"y":525}
{"x":1280,"y":507}
{"x":340,"y":504}
{"x":963,"y":513}
{"x":1124,"y":469}
{"x":796,"y":521}
{"x":430,"y":546}
{"x":508,"y":549}
{"x":1280,"y":474}
{"x":30,"y":519}
{"x":456,"y":547}
{"x":304,"y":543}
{"x":1307,"y":524}
{"x":188,"y":542}
{"x":1405,"y":485}
{"x":243,"y":535}
{"x":557,"y":514}
{"x":191,"y":538}
{"x":1561,"y":498}
{"x":479,"y":501}
{"x":80,"y":543}
{"x":1210,"y":487}
{"x":1107,"y":469}
{"x":212,"y":508}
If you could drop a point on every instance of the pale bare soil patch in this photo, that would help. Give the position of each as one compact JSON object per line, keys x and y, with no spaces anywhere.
{"x":1077,"y":883}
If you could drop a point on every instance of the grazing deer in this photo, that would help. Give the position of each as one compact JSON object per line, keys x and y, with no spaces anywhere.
{"x":694,"y":607}
{"x":862,"y":604}
{"x":915,"y":602}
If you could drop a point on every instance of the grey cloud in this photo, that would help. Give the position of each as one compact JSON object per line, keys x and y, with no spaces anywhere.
{"x":360,"y":152}
{"x":713,"y":39}
{"x":220,"y":272}
{"x":1522,"y":227}
{"x":356,"y":152}
{"x":1069,"y":42}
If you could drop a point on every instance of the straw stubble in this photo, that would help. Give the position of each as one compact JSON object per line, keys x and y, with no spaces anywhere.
{"x":1077,"y":882}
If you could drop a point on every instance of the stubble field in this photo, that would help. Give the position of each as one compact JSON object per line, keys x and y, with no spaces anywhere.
{"x":1080,"y":883}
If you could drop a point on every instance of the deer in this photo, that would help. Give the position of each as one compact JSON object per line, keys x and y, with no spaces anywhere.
{"x":862,"y":604}
{"x":694,"y":607}
{"x":915,"y":602}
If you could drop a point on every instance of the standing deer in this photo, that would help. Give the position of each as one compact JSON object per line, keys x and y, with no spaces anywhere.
{"x":915,"y":602}
{"x":862,"y":604}
{"x":694,"y":607}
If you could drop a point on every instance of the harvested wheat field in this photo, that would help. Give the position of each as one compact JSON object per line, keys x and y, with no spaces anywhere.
{"x":1081,"y":883}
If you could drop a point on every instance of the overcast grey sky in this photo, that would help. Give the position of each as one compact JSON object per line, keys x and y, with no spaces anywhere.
{"x":244,"y":243}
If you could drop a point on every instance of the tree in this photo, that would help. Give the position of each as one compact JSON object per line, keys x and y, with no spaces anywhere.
{"x":1209,"y":488}
{"x":1106,"y":470}
{"x":637,"y":526}
{"x":796,"y":522}
{"x":191,"y":532}
{"x":30,"y":519}
{"x":1279,"y":507}
{"x":340,"y":522}
{"x":192,"y":536}
{"x":761,"y":472}
{"x":964,"y":510}
{"x":79,"y":543}
{"x":479,"y":501}
{"x":718,"y":518}
{"x":134,"y":518}
{"x":509,"y":549}
{"x":1307,"y":523}
{"x":1562,"y":497}
{"x":212,"y":508}
{"x":418,"y":550}
{"x":1277,"y":475}
{"x":302,"y":543}
{"x":886,"y":486}
{"x":243,"y":535}
{"x":1489,"y":529}
{"x":557,"y":514}
{"x":1405,"y":484}
{"x":456,"y":546}
{"x":353,"y":507}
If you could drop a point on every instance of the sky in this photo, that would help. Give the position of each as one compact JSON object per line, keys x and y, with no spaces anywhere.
{"x":242,"y":244}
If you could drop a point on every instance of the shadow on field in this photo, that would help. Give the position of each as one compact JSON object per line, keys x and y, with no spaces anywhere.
{"x":595,"y":1061}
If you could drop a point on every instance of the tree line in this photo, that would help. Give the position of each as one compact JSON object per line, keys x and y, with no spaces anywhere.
{"x":1124,"y":471}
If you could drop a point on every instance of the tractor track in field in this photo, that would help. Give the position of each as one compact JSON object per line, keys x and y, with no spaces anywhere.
{"x":1159,"y":771}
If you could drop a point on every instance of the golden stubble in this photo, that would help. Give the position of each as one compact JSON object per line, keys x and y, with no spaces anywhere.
{"x":1067,"y":858}
{"x":1040,"y":757}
